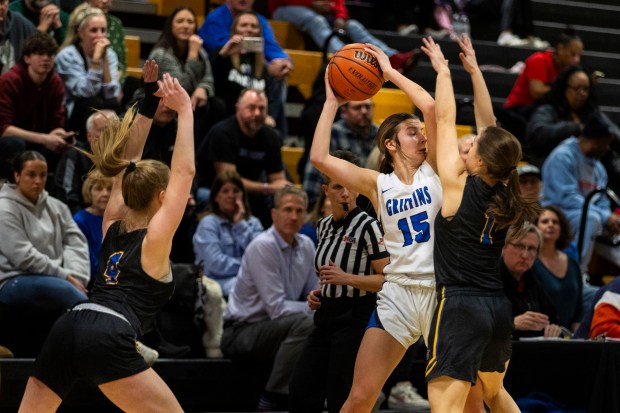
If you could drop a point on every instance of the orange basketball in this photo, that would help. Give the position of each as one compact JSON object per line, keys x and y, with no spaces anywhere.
{"x":353,"y":73}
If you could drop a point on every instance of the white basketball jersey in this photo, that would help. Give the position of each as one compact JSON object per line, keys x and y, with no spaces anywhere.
{"x":407,"y":214}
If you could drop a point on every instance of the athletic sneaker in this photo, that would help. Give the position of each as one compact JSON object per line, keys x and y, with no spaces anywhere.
{"x":404,"y":396}
{"x":150,"y":355}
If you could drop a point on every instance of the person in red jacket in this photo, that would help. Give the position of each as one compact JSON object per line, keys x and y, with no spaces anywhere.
{"x":32,"y":83}
{"x":319,"y":18}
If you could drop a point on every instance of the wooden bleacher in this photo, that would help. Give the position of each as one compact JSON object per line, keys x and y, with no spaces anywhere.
{"x":287,"y":35}
{"x":290,"y":158}
{"x":165,"y":7}
{"x":132,"y":44}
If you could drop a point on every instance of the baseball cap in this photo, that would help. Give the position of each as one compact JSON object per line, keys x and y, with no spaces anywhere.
{"x":528,"y":169}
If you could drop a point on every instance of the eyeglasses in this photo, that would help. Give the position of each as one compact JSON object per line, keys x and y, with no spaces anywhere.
{"x":521,"y":248}
{"x":581,"y":89}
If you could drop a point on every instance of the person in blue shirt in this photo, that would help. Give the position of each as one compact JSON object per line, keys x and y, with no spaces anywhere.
{"x":96,"y":193}
{"x":225,"y":232}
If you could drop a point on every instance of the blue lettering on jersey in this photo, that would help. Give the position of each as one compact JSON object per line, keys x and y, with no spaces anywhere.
{"x":419,"y":197}
{"x":112,"y":271}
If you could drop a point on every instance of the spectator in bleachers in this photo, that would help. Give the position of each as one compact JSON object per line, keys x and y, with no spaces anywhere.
{"x":115,"y":34}
{"x":245,"y":144}
{"x":571,"y":172}
{"x":225,"y":232}
{"x":562,"y":113}
{"x":534,"y":82}
{"x":234,"y":67}
{"x":96,"y":193}
{"x":530,"y":181}
{"x":179,"y":51}
{"x":532,"y":310}
{"x":216,"y":31}
{"x":89,"y":68}
{"x":45,"y":15}
{"x":603,"y":318}
{"x":32,"y":114}
{"x":320,"y":18}
{"x":14,"y":30}
{"x":558,"y":273}
{"x":322,"y":208}
{"x":43,"y":254}
{"x":517,"y":25}
{"x":267,"y":318}
{"x":354,"y":132}
{"x":349,"y":263}
{"x":74,"y":164}
{"x":465,"y":142}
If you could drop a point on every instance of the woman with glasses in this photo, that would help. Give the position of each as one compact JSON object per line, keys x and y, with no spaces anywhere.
{"x":557,"y":272}
{"x":568,"y":104}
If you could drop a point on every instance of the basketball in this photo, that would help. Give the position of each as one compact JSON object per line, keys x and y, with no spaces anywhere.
{"x":353,"y":73}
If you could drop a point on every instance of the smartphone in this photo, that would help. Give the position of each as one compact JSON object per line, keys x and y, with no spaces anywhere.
{"x":252,"y":44}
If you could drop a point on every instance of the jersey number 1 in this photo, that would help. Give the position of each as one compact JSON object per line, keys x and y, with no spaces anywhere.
{"x":420,"y":226}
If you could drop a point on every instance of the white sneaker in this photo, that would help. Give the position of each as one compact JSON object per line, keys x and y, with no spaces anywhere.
{"x":538,"y":43}
{"x":150,"y":355}
{"x":509,"y":39}
{"x":404,"y":396}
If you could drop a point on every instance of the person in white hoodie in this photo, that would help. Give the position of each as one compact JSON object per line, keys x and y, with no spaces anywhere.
{"x":44,"y":261}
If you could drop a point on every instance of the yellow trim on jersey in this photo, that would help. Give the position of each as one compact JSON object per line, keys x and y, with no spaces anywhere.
{"x":432,"y":362}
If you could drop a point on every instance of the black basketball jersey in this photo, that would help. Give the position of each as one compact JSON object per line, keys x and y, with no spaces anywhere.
{"x":468,"y":247}
{"x":122,"y":284}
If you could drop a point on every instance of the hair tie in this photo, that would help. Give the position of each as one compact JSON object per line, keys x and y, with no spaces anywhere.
{"x":131,"y":167}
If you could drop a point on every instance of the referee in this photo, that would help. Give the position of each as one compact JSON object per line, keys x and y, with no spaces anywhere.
{"x":349,"y":262}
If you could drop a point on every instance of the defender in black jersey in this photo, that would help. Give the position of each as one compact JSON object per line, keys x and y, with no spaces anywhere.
{"x":349,"y":261}
{"x":472,"y":326}
{"x":97,"y":340}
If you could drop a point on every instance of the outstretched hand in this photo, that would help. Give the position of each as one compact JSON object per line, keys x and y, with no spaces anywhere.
{"x":434,"y":53}
{"x":173,"y":95}
{"x":468,"y":54}
{"x":329,"y":92}
{"x":382,"y":59}
{"x":150,"y":71}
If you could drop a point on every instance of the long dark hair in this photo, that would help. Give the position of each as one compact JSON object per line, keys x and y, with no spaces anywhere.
{"x":221,"y":179}
{"x":566,"y":230}
{"x":501,"y":152}
{"x":166,"y":39}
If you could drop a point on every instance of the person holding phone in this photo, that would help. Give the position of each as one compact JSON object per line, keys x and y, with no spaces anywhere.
{"x":240,"y":63}
{"x":33,"y":82}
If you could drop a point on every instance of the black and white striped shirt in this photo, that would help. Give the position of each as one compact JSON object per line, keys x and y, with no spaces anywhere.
{"x":352,"y":244}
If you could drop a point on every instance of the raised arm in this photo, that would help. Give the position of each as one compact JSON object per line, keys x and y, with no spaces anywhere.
{"x":417,"y":94}
{"x":158,"y":241}
{"x":450,"y":167}
{"x":483,"y":108}
{"x":142,"y":124}
{"x":351,"y":176}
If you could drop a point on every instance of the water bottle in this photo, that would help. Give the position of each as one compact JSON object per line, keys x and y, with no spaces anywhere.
{"x":460,"y":24}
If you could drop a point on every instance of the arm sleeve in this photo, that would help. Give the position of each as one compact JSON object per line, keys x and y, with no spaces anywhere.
{"x":78,"y":81}
{"x":374,"y":242}
{"x":206,"y":81}
{"x":16,"y":246}
{"x":545,"y":131}
{"x":215,"y":31}
{"x":272,"y":48}
{"x":8,"y":92}
{"x":606,"y":319}
{"x":113,"y":88}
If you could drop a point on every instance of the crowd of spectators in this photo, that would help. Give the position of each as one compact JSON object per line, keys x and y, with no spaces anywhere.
{"x":246,"y":235}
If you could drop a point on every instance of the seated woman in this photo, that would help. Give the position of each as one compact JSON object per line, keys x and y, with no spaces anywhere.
{"x":43,"y":254}
{"x":224,"y":233}
{"x":558,"y":273}
{"x":179,"y":51}
{"x":96,"y":193}
{"x":89,"y":68}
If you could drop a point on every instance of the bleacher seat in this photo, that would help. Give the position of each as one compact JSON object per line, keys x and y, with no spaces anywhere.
{"x":291,"y":157}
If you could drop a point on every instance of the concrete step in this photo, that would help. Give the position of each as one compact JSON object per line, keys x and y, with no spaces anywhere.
{"x":577,"y":12}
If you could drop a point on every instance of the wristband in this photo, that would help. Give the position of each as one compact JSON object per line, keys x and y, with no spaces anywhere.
{"x":150,"y":101}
